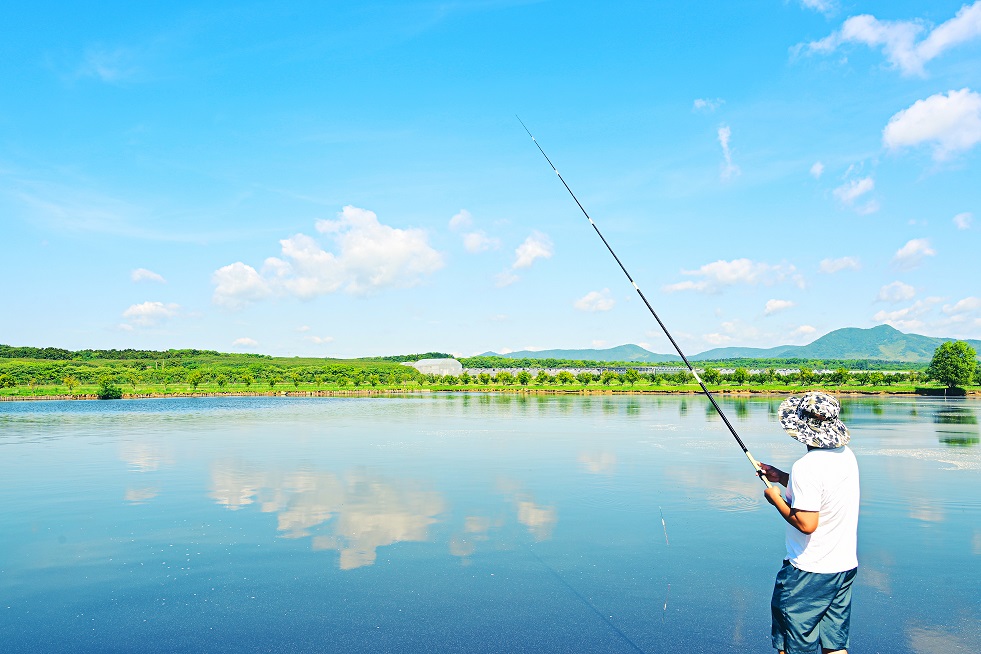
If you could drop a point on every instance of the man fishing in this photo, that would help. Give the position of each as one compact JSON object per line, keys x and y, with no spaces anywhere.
{"x":813,"y":591}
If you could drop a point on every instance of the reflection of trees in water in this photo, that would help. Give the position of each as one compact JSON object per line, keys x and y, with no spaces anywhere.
{"x":742,"y":409}
{"x":683,"y":408}
{"x":609,"y":407}
{"x":956,"y":425}
{"x":633,"y":407}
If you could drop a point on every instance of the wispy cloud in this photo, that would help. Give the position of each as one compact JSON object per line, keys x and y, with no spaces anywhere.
{"x":896,"y":292}
{"x":909,"y":318}
{"x":536,"y":246}
{"x":461,"y":220}
{"x":107,"y":64}
{"x":773,"y":306}
{"x":900,"y":40}
{"x":729,"y":169}
{"x":950,"y":123}
{"x":826,"y":7}
{"x":245,"y":341}
{"x":478,"y":241}
{"x":831,"y":266}
{"x":150,"y":314}
{"x":711,"y":277}
{"x":913,"y":253}
{"x":850,"y":191}
{"x":595,"y":301}
{"x":964,"y":220}
{"x":817,"y":170}
{"x":144,"y":275}
{"x":370,"y":256}
{"x":707,"y":105}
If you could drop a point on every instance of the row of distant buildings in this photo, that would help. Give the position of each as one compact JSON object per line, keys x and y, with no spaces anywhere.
{"x":454,"y":367}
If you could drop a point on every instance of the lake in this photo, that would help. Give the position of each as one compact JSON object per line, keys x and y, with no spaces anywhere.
{"x":462,"y":523}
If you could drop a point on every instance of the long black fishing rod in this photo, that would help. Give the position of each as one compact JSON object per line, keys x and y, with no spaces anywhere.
{"x":732,"y":430}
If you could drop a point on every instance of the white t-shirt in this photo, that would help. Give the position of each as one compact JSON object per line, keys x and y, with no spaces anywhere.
{"x":825,"y":480}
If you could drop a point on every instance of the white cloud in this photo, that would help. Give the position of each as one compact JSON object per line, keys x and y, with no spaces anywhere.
{"x":911,"y":255}
{"x":237,"y":284}
{"x":964,"y":220}
{"x":718,"y":274}
{"x":370,"y":256}
{"x":967,"y":305}
{"x":824,"y":6}
{"x":595,"y":301}
{"x":717,"y":339}
{"x":908,"y":318}
{"x":320,"y":340}
{"x":951,"y":123}
{"x":461,"y":220}
{"x":536,"y":246}
{"x":729,"y":169}
{"x":773,"y":306}
{"x":817,"y":170}
{"x":150,"y":314}
{"x":245,"y":341}
{"x":303,"y":328}
{"x":599,"y":343}
{"x":848,"y":192}
{"x":505,"y":278}
{"x":107,"y":65}
{"x":831,"y":266}
{"x":144,"y":275}
{"x":898,"y":39}
{"x":803,"y":330}
{"x":896,"y":292}
{"x":479,"y":242}
{"x":707,"y":105}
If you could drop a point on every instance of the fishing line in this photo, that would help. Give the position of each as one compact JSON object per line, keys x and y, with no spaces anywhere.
{"x":609,"y":623}
{"x":691,"y":369}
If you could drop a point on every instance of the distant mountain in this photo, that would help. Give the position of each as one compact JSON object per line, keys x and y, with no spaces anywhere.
{"x":620,"y":353}
{"x":882,"y":342}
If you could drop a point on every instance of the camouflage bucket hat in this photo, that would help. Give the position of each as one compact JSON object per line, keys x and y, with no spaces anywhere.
{"x":813,"y":420}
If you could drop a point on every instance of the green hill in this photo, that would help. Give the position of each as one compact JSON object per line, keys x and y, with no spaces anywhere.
{"x":619,"y":353}
{"x":883,"y":343}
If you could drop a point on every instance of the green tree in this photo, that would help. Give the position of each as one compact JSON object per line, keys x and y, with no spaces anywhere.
{"x":194,"y":379}
{"x":248,"y":379}
{"x":711,"y":376}
{"x":465,"y":378}
{"x":524,"y":377}
{"x":953,"y":364}
{"x":876,"y":378}
{"x":632,"y":376}
{"x":6,"y":381}
{"x":221,"y":380}
{"x":740,"y":376}
{"x":543,"y":378}
{"x":272,"y":380}
{"x":69,"y":381}
{"x":484,"y":378}
{"x":565,"y":377}
{"x":607,"y":377}
{"x":108,"y":390}
{"x":504,"y":377}
{"x":839,"y":377}
{"x":296,"y":377}
{"x":584,"y":378}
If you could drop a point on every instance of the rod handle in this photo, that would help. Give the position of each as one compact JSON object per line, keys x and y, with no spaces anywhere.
{"x":759,"y":470}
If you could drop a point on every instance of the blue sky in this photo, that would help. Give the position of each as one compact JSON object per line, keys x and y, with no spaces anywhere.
{"x":349,"y":179}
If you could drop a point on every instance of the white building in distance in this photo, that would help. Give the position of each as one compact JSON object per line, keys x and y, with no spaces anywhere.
{"x":437,"y":366}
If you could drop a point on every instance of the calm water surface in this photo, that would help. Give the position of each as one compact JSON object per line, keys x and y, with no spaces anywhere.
{"x":467,"y":523}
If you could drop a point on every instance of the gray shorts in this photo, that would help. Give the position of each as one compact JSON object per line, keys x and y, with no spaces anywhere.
{"x":811,"y":607}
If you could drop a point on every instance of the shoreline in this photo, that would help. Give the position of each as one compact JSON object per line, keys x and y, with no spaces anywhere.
{"x":511,"y":391}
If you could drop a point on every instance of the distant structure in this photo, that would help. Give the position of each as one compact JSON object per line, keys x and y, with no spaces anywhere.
{"x":437,"y":366}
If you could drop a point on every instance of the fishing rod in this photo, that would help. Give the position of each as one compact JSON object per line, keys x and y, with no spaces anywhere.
{"x":691,"y":369}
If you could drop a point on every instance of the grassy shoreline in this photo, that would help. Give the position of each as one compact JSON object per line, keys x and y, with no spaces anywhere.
{"x":87,"y":393}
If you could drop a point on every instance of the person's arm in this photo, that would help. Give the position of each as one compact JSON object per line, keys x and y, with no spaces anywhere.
{"x":803,"y":521}
{"x":775,"y":474}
